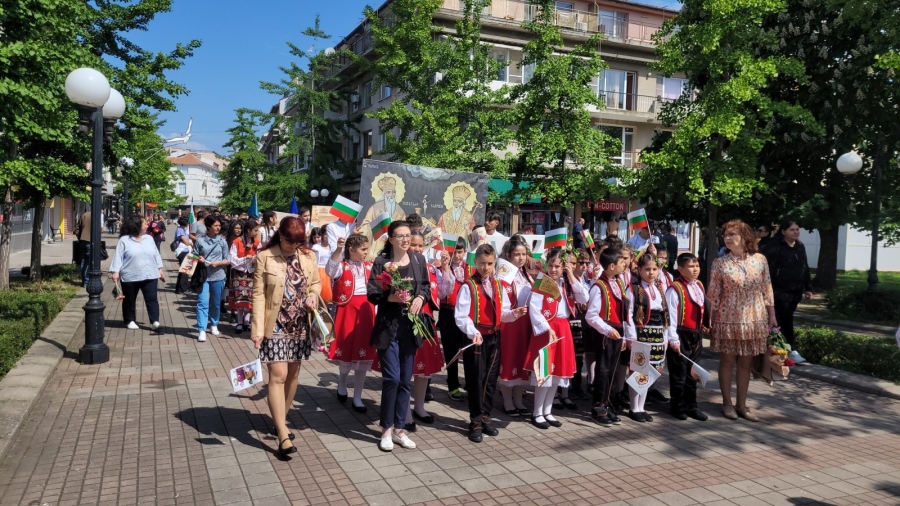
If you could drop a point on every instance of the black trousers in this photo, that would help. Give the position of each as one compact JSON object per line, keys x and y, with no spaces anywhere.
{"x":682,"y":386}
{"x":148,"y":288}
{"x":607,"y":352}
{"x":482,"y":367}
{"x":452,"y":339}
{"x":182,"y":282}
{"x":785,"y":305}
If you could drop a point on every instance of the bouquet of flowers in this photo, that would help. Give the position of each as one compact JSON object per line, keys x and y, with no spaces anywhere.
{"x":779,"y":348}
{"x":390,"y":279}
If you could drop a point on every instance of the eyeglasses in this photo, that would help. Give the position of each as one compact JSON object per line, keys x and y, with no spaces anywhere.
{"x":580,"y":262}
{"x":293,"y":243}
{"x":402,"y":237}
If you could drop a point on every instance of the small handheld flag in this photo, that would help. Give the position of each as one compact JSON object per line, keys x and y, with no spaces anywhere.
{"x":588,"y":240}
{"x":542,"y":365}
{"x":380,"y":225}
{"x":448,"y":242}
{"x":506,"y":271}
{"x":546,"y":286}
{"x":254,"y":208}
{"x":470,"y":258}
{"x":538,"y":252}
{"x":555,"y":238}
{"x":191,"y":218}
{"x":637,"y":220}
{"x":345,"y":209}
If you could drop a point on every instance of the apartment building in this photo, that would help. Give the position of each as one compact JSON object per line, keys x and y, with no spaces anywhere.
{"x":631,"y":92}
{"x":200,"y":170}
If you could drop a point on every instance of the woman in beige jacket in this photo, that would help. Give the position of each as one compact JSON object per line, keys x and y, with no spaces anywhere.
{"x":285,"y":288}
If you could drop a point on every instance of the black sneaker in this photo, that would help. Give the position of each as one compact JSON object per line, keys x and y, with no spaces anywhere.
{"x":488,"y":430}
{"x":475,"y":432}
{"x":601,"y":416}
{"x":613,"y":416}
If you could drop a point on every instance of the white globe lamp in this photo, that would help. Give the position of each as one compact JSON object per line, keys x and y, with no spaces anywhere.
{"x":114,"y":107}
{"x":87,"y":87}
{"x":314,"y":193}
{"x":325,"y":192}
{"x":849,"y":163}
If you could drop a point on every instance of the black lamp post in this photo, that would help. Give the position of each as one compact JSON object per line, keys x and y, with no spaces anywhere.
{"x":849,"y":164}
{"x":96,"y":101}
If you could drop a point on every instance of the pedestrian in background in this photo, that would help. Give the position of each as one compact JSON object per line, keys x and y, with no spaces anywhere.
{"x":791,"y":280}
{"x":213,"y":253}
{"x":138,"y":266}
{"x":158,"y":230}
{"x":183,"y":246}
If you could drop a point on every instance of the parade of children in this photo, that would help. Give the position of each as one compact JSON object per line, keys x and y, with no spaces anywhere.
{"x":603,"y":322}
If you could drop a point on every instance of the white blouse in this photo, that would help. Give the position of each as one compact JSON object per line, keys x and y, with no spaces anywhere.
{"x":336,"y":269}
{"x":539,"y":323}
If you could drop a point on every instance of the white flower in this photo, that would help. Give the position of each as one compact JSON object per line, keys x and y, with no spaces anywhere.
{"x":362,"y":352}
{"x":420,"y":366}
{"x":347,"y":283}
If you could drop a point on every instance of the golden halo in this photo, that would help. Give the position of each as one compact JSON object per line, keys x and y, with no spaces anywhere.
{"x":377,"y":193}
{"x":470,"y":200}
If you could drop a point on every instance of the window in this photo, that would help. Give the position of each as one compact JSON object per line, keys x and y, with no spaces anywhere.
{"x":367,"y":143}
{"x":354,"y":101}
{"x":367,"y":94}
{"x":181,"y":189}
{"x":617,"y":89}
{"x":527,"y":73}
{"x":626,"y":136}
{"x":502,"y":57}
{"x":565,"y":6}
{"x":183,"y":169}
{"x":612,"y":24}
{"x":671,"y":88}
{"x":382,"y":140}
{"x":386,"y":92}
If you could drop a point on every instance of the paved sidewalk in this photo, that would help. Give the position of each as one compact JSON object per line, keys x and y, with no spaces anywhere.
{"x":159,"y":424}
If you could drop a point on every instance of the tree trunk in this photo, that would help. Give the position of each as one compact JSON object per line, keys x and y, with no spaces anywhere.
{"x":826,"y":267}
{"x":5,"y":236}
{"x":37,"y":228}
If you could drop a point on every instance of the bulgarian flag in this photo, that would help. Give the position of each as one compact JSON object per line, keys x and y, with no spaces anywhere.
{"x":545,"y":286}
{"x":588,"y":240}
{"x":380,"y":225}
{"x":191,"y":216}
{"x":470,"y":258}
{"x":542,"y":365}
{"x":555,"y":238}
{"x":637,"y":220}
{"x":345,"y":209}
{"x":448,"y":242}
{"x":538,"y":252}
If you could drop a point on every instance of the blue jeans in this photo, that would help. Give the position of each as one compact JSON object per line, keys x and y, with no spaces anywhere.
{"x":396,"y":371}
{"x":209,"y":304}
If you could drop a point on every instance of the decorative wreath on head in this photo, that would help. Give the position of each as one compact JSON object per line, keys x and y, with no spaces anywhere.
{"x":564,"y":255}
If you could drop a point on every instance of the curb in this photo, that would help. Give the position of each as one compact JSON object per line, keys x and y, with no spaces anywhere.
{"x":843,"y":325}
{"x":25,"y":382}
{"x":849,"y":380}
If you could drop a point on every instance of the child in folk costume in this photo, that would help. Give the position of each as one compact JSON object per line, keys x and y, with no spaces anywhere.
{"x":629,"y":278}
{"x":242,"y":257}
{"x":515,"y":336}
{"x":662,"y":260}
{"x":550,"y":324}
{"x":608,"y":313}
{"x":429,"y":359}
{"x":580,"y":262}
{"x":355,"y":315}
{"x":452,"y":339}
{"x":688,"y":320}
{"x":649,"y":325}
{"x":481,"y":306}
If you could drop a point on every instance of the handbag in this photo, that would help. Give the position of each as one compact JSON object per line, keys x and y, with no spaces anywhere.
{"x":174,"y":244}
{"x":198,"y":278}
{"x":104,"y":255}
{"x":321,"y":324}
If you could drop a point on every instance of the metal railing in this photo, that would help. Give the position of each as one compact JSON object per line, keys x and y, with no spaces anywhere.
{"x":619,"y":101}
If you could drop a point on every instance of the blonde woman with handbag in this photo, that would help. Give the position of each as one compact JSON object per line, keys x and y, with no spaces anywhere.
{"x":286,"y":289}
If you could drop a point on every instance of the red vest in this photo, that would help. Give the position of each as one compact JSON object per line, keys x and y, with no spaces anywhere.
{"x":551,"y":306}
{"x":433,"y":304}
{"x":450,"y":300}
{"x":613,"y":310}
{"x":243,"y":250}
{"x":690,"y":315}
{"x":345,"y":286}
{"x":486,"y":312}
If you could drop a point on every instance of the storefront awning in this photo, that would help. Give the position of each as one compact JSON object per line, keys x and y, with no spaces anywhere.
{"x":504,"y":186}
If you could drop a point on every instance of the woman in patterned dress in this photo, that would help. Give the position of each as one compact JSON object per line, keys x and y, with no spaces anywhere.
{"x":286,"y":284}
{"x":740,"y":294}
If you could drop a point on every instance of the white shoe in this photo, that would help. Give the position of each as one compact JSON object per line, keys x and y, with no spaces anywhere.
{"x":386,"y":444}
{"x":202,"y":337}
{"x":404,"y":441}
{"x":155,"y":325}
{"x":795,"y":356}
{"x":133,"y":326}
{"x":214,"y":330}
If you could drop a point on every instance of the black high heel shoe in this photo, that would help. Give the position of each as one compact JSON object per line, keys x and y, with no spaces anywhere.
{"x":284,"y":452}
{"x":275,"y":433}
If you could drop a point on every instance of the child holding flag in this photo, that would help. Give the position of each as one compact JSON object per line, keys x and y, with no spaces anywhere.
{"x":515,"y":336}
{"x":355,"y":315}
{"x":481,"y":306}
{"x":452,"y":338}
{"x":550,"y":306}
{"x":688,"y":320}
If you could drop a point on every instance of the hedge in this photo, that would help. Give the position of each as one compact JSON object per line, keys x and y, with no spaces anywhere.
{"x":872,"y":356}
{"x":880,"y":306}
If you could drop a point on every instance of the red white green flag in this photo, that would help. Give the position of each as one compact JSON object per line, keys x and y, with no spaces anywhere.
{"x":380,"y":225}
{"x":470,"y":258}
{"x":588,"y":240}
{"x":555,"y":238}
{"x":637,"y":220}
{"x":448,"y":242}
{"x":545,"y":286}
{"x":345,"y":209}
{"x":542,"y":365}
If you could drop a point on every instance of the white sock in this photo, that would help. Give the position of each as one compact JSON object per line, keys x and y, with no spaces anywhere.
{"x":343,"y":372}
{"x":540,"y":394}
{"x":507,"y":397}
{"x":637,"y":400}
{"x":359,"y":382}
{"x":517,"y":393}
{"x":548,"y":403}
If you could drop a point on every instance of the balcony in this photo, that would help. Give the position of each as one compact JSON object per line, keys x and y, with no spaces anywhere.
{"x":618,"y":29}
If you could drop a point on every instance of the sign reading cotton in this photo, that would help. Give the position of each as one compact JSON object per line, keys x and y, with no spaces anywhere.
{"x":452,"y":200}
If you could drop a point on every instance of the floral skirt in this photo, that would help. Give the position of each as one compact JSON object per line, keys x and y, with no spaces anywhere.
{"x":741,"y":339}
{"x":284,"y":348}
{"x":240,"y":295}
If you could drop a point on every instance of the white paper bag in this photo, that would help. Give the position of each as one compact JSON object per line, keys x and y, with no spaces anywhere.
{"x":245,"y":376}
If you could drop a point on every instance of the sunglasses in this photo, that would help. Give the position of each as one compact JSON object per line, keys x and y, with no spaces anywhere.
{"x":583,"y":263}
{"x":293,"y":243}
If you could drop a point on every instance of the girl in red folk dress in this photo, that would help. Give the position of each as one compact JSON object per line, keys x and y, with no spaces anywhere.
{"x":429,"y":358}
{"x":243,"y":262}
{"x":515,"y":336}
{"x":355,"y":316}
{"x":550,"y":324}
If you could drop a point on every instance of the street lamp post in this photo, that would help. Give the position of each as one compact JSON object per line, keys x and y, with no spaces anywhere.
{"x":96,"y":101}
{"x":849,"y":164}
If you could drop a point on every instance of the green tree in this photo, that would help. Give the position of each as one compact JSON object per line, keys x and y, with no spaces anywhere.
{"x":710,"y":161}
{"x":446,"y":114}
{"x":246,"y":162}
{"x":564,"y":156}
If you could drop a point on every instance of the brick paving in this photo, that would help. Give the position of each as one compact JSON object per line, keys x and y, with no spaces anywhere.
{"x":159,"y":424}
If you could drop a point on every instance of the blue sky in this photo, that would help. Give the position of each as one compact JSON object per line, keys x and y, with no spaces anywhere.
{"x":243,"y":43}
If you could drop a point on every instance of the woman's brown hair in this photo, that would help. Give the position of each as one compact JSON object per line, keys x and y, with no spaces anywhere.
{"x":746,"y":233}
{"x":292,"y":230}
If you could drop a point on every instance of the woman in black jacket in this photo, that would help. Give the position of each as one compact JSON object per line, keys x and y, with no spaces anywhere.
{"x":393,"y":335}
{"x":789,"y":269}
